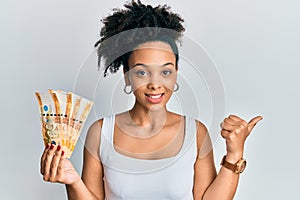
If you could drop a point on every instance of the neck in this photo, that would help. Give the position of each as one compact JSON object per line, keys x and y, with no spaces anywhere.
{"x":156,"y":116}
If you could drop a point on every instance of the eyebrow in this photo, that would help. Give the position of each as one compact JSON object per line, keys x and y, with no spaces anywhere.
{"x":143,"y":65}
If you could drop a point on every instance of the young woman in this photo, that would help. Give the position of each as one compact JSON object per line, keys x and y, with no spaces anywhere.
{"x":149,"y":152}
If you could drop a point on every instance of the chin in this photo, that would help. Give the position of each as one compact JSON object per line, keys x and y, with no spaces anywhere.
{"x":156,"y":107}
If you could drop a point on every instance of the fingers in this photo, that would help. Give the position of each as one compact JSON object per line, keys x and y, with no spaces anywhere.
{"x":253,"y":122}
{"x":43,"y":159}
{"x":51,"y":159}
{"x":238,"y":119}
{"x":233,"y":123}
{"x":236,"y":124}
{"x":47,"y":162}
{"x":235,"y":131}
{"x":54,"y":164}
{"x":60,"y":167}
{"x":225,"y":133}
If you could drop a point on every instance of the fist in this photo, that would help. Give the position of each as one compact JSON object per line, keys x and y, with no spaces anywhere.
{"x":235,"y":131}
{"x":55,"y":167}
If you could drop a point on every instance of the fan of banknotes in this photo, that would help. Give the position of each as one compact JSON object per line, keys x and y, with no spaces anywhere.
{"x":63,"y":115}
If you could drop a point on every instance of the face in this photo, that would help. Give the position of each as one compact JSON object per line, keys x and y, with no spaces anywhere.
{"x":152,"y":74}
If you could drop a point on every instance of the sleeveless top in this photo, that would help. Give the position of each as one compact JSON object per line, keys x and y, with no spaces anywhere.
{"x":128,"y":178}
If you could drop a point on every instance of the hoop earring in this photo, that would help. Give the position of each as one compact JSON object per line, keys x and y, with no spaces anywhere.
{"x":125,"y":90}
{"x":176,"y":88}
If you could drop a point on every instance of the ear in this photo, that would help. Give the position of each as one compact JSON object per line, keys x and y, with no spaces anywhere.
{"x":126,"y":76}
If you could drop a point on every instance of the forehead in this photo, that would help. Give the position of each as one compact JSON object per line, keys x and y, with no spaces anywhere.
{"x":155,"y":52}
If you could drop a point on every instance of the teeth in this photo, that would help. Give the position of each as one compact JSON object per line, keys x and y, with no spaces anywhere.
{"x":155,"y":96}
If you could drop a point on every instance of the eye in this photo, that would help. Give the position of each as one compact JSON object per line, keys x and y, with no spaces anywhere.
{"x":166,"y":72}
{"x":141,"y":73}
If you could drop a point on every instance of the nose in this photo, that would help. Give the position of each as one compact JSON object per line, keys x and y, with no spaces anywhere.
{"x":154,"y":86}
{"x":154,"y":83}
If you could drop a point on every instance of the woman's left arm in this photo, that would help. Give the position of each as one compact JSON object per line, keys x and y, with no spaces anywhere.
{"x":208,"y":185}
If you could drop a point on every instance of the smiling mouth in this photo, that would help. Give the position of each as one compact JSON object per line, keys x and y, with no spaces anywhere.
{"x":154,"y":96}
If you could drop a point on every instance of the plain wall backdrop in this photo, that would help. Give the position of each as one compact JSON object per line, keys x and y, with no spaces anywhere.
{"x":254,"y":44}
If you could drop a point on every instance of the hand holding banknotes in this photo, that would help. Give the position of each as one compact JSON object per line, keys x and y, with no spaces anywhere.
{"x":55,"y":167}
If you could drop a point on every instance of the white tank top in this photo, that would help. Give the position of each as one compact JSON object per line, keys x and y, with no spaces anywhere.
{"x":127,"y":178}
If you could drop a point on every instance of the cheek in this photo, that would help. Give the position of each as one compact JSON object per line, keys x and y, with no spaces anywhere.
{"x":138,"y":83}
{"x":170,"y":84}
{"x":139,"y":93}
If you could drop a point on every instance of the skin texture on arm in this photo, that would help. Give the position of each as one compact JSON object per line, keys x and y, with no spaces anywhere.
{"x":208,"y":184}
{"x":223,"y":187}
{"x":92,"y":172}
{"x":78,"y":191}
{"x":204,"y":168}
{"x":90,"y":186}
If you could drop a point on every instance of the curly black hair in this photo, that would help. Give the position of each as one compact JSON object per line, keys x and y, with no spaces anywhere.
{"x":138,"y":23}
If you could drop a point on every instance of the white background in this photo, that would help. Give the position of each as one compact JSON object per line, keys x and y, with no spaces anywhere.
{"x":254,"y":44}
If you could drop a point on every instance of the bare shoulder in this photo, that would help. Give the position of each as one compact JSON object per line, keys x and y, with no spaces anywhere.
{"x":204,"y":144}
{"x":92,"y":141}
{"x":96,"y":126}
{"x":92,"y":171}
{"x":201,"y":128}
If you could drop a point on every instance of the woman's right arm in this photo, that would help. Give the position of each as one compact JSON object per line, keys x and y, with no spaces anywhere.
{"x":55,"y":167}
{"x":92,"y":172}
{"x":91,"y":184}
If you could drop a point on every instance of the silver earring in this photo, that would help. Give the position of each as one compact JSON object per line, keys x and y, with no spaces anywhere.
{"x":176,"y":87}
{"x":125,"y":89}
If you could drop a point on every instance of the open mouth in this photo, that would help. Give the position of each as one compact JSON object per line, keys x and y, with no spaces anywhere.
{"x":155,"y":98}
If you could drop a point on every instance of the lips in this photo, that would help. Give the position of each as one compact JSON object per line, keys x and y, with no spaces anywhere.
{"x":154,"y":98}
